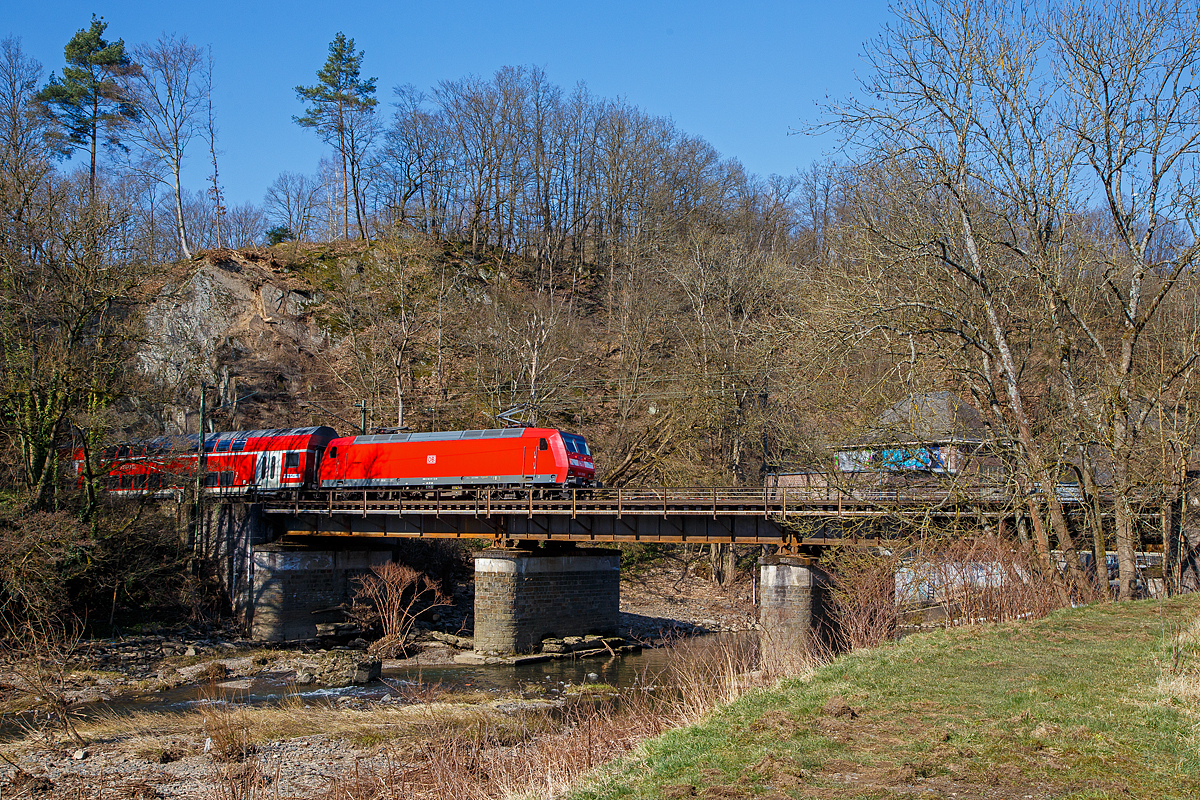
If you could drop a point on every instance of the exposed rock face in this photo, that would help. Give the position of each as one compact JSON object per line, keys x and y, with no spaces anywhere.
{"x":249,"y":318}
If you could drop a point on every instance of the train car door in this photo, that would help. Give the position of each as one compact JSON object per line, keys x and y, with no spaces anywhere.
{"x":270,"y":474}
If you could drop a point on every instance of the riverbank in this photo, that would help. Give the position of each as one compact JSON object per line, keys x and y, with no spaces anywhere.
{"x":1100,"y":701}
{"x":306,"y":742}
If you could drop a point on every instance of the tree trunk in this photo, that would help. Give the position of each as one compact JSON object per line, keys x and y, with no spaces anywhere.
{"x":180,"y":225}
{"x":723,"y":561}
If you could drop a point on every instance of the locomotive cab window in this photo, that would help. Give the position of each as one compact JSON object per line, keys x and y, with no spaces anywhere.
{"x":291,"y":461}
{"x":333,"y":452}
{"x":543,"y":444}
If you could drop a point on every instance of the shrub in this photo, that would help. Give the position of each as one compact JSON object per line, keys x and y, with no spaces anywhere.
{"x":398,"y":593}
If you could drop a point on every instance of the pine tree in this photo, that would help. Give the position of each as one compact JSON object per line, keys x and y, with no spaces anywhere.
{"x":89,"y":99}
{"x":342,"y":105}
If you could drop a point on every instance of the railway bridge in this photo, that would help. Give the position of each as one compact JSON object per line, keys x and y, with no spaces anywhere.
{"x":539,"y":571}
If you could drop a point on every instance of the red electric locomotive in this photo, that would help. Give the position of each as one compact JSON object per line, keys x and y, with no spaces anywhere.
{"x":503,"y":457}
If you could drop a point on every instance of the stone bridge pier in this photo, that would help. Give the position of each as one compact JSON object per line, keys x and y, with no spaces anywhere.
{"x":793,"y":605}
{"x":524,"y":595}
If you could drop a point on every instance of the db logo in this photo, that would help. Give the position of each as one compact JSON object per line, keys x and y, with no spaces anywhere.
{"x":430,"y":459}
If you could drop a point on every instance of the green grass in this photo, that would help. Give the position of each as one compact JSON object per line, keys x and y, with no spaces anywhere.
{"x":1068,"y":706}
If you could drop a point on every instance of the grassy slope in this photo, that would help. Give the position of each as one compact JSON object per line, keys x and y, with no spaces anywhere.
{"x":1068,"y":706}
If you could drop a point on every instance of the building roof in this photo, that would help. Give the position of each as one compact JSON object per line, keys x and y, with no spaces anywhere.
{"x":929,"y":418}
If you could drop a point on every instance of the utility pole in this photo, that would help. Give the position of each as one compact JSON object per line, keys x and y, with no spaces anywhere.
{"x":200,"y":471}
{"x":363,"y":405}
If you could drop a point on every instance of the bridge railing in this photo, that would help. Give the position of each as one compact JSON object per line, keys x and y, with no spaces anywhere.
{"x":714,"y":500}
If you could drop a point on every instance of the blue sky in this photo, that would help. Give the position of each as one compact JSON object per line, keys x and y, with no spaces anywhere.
{"x":741,"y":76}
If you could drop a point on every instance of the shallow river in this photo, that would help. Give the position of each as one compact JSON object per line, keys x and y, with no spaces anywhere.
{"x":543,"y":679}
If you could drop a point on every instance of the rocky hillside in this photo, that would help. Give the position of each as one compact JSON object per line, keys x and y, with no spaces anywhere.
{"x":241,"y":322}
{"x":676,"y":375}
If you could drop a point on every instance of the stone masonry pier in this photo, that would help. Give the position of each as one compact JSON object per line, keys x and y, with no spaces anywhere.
{"x":523,"y":596}
{"x":293,"y":589}
{"x":793,"y":610}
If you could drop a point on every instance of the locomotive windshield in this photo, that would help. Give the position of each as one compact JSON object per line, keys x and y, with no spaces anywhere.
{"x":576,"y":444}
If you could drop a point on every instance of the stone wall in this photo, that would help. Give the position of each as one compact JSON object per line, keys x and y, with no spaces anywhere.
{"x":229,"y":533}
{"x":290,"y":585}
{"x":793,"y":606}
{"x":522,"y":597}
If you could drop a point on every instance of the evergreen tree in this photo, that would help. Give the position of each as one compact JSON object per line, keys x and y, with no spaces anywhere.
{"x":341,"y":110}
{"x":89,"y":99}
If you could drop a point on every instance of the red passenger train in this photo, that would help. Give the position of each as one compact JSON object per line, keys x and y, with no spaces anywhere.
{"x":265,"y":462}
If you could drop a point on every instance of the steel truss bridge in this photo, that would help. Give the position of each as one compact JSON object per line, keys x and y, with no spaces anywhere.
{"x":791,"y":516}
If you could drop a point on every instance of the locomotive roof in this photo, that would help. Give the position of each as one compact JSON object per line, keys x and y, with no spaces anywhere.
{"x":441,"y":436}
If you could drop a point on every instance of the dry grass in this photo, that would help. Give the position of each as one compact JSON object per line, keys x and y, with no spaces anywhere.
{"x":236,"y":729}
{"x":1180,"y":668}
{"x":543,"y":754}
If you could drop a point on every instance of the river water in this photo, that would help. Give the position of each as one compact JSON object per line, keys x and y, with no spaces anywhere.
{"x":546,"y":679}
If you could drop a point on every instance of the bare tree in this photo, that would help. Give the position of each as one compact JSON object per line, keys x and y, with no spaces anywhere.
{"x":210,"y":136}
{"x":245,"y":225}
{"x":290,"y":201}
{"x":953,"y":92}
{"x":24,"y":127}
{"x":170,"y":89}
{"x":1134,"y":108}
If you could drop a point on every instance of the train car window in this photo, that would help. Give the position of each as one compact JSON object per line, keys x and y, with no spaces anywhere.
{"x":227,"y":477}
{"x":123,"y":451}
{"x":139,"y":481}
{"x":570,"y":443}
{"x":291,"y":461}
{"x":210,"y":479}
{"x":238,"y":446}
{"x":112,"y":483}
{"x":333,"y":452}
{"x":223,"y":446}
{"x":543,"y":444}
{"x":208,"y":446}
{"x":125,"y":481}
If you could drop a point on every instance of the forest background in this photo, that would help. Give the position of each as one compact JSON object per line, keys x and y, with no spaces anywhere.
{"x":1012,"y":221}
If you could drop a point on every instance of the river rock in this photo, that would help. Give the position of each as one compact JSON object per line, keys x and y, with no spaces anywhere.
{"x":460,"y":642}
{"x":367,"y":671}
